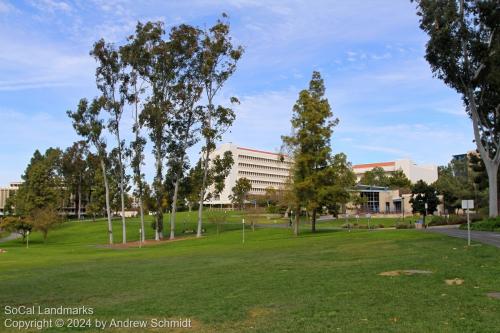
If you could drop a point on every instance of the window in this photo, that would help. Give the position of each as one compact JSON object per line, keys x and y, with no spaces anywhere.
{"x":372,"y":205}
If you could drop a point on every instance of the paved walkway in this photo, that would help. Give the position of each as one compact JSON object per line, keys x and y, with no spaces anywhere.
{"x":10,"y":237}
{"x":486,"y":237}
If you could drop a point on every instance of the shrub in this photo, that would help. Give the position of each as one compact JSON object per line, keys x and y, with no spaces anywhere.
{"x":490,"y":224}
{"x":405,"y":226}
{"x":451,"y":219}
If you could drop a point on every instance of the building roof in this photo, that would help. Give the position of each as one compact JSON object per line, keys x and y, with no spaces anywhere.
{"x":373,"y":165}
{"x":262,"y":151}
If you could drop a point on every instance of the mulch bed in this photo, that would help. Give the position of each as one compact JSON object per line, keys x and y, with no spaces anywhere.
{"x":148,"y":242}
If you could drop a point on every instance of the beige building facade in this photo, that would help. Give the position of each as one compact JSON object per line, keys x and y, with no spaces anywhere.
{"x":262,"y":168}
{"x":6,"y":192}
{"x":414,"y":172}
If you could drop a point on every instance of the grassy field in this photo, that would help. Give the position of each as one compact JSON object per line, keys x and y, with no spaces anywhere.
{"x":363,"y":222}
{"x":274,"y":282}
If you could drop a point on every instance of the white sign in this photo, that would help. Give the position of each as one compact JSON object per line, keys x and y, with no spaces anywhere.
{"x":467,"y":204}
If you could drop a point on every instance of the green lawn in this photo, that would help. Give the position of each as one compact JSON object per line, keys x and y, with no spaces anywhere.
{"x":274,"y":282}
{"x":4,"y":234}
{"x":363,"y":222}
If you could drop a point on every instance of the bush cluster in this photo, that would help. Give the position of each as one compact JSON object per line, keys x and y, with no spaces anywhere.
{"x":453,"y":219}
{"x":490,"y":224}
{"x":405,"y":225}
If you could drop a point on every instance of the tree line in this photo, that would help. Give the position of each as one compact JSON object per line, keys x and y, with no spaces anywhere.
{"x":168,"y":82}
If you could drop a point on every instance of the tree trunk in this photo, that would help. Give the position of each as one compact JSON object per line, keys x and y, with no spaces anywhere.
{"x":122,"y":194}
{"x":202,"y":191}
{"x":141,"y":212}
{"x":108,"y":206}
{"x":490,"y":163}
{"x":492,"y":171}
{"x":313,"y":221}
{"x":79,"y":212}
{"x":158,"y":190}
{"x":297,"y":220}
{"x":174,"y":209}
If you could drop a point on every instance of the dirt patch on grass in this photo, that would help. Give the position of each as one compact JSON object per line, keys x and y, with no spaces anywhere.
{"x":148,"y":242}
{"x":494,"y":295}
{"x":3,"y":251}
{"x":454,"y":282}
{"x":404,"y":272}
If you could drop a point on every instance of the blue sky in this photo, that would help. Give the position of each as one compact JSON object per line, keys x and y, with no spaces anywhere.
{"x":370,"y":54}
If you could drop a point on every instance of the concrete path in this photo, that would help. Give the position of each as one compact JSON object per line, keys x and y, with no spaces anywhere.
{"x":486,"y":237}
{"x":10,"y":237}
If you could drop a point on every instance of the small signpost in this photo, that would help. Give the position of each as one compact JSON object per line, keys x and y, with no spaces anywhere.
{"x":243,"y":231}
{"x":468,"y":205}
{"x":140,"y":238}
{"x":369,"y":217}
{"x":27,"y":239}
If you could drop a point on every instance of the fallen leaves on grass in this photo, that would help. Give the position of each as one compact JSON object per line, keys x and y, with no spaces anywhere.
{"x":404,"y":272}
{"x":454,"y":282}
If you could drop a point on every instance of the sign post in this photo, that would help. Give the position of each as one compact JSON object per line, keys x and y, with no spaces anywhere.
{"x":27,"y":239}
{"x":243,"y":231}
{"x":468,"y":204}
{"x":140,"y":238}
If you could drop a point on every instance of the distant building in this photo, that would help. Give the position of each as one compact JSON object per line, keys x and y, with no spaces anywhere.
{"x":262,"y":168}
{"x":414,"y":172}
{"x":6,"y":192}
{"x":382,"y":200}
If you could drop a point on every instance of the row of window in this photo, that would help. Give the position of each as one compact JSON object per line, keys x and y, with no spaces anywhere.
{"x":264,"y":182}
{"x":260,"y":190}
{"x":265,"y":167}
{"x":260,"y":174}
{"x":268,"y":160}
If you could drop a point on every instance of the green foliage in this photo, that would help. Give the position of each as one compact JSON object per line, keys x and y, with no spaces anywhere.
{"x":240,"y":191}
{"x":423,"y":195}
{"x":398,"y":180}
{"x":45,"y":219}
{"x":464,"y":51}
{"x":18,"y":224}
{"x":379,"y":177}
{"x":454,"y":186}
{"x":490,"y":224}
{"x":319,"y":179}
{"x":42,"y":183}
{"x":375,"y":177}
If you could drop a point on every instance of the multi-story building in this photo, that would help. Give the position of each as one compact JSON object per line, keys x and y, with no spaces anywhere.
{"x":414,"y":172}
{"x":262,"y":168}
{"x":6,"y":192}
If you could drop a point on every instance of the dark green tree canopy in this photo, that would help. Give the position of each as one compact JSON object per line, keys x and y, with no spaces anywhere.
{"x":240,"y":191}
{"x":422,"y":195}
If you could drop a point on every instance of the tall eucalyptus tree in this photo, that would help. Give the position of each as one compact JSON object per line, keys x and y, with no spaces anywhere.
{"x":464,"y":51}
{"x":112,"y":81}
{"x":88,"y":124}
{"x":184,"y":125}
{"x":218,"y":59}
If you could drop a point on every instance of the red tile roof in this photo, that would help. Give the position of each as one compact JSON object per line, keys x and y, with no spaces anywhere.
{"x":373,"y":165}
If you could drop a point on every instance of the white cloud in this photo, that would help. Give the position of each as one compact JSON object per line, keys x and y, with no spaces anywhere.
{"x":52,"y":6}
{"x":5,"y":7}
{"x":28,"y":64}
